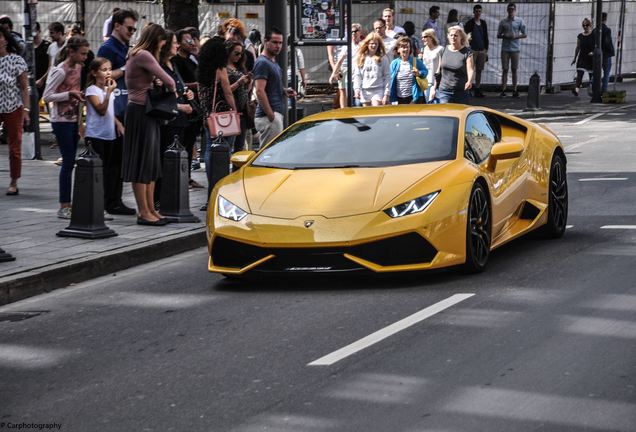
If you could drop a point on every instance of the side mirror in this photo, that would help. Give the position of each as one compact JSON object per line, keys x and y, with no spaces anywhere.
{"x":508,"y":148}
{"x":240,"y":158}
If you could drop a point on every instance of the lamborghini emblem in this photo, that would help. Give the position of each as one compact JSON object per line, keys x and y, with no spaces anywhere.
{"x":308,"y":223}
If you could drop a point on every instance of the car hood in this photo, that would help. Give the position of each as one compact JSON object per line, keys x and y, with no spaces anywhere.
{"x":330,"y":192}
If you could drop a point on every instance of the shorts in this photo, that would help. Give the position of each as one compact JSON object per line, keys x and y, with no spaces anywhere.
{"x":480,"y":58}
{"x":510,"y":57}
{"x":367,"y":96}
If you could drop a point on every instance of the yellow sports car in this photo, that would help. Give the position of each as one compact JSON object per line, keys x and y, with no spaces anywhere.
{"x":386,"y":189}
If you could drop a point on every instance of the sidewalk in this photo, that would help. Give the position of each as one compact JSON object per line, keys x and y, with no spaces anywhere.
{"x":28,"y":227}
{"x":44,"y":262}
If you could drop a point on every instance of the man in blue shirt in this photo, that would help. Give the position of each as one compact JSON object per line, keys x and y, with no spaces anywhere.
{"x":271,"y":96}
{"x":510,"y":30}
{"x":432,"y":23}
{"x":115,"y":49}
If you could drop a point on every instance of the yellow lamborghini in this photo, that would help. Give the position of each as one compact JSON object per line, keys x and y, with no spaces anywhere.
{"x":387,"y":189}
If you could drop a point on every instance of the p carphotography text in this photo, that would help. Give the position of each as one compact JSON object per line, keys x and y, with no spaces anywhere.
{"x":24,"y":426}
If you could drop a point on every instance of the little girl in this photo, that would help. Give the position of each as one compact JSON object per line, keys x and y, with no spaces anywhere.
{"x":102,"y":127}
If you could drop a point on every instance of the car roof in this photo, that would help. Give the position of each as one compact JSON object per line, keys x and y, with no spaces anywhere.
{"x":444,"y":110}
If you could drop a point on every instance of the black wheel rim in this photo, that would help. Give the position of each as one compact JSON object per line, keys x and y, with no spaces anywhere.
{"x":558,"y":195}
{"x":479,"y":226}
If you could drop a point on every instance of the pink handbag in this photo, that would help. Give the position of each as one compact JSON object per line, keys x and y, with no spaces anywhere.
{"x":224,"y":123}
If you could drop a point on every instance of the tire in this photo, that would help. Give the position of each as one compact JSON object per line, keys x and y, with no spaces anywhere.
{"x":478,"y":230}
{"x":557,"y":199}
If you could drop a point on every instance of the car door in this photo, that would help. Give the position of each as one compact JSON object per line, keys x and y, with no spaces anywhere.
{"x":481,"y":134}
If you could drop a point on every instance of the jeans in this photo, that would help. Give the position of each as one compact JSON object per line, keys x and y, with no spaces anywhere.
{"x":452,"y":96}
{"x":607,"y":70}
{"x":67,"y":137}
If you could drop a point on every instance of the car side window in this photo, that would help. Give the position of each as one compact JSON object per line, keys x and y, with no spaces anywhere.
{"x":479,"y":137}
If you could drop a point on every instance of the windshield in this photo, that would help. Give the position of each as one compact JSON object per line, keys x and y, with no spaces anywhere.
{"x":362,"y":142}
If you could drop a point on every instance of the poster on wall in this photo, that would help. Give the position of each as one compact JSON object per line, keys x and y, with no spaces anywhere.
{"x":320,"y":20}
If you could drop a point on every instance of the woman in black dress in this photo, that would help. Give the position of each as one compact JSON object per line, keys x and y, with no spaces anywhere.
{"x":584,"y":55}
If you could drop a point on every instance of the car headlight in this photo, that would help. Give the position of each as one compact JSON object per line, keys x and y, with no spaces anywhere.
{"x":410,"y":207}
{"x":229,"y":210}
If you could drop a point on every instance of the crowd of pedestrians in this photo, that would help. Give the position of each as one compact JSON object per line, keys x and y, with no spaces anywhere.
{"x":232,"y":70}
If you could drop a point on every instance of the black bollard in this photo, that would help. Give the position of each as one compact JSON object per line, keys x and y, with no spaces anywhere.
{"x":175,"y":198}
{"x":219,"y":160}
{"x":534,"y":91}
{"x":87,"y":217}
{"x":4,"y":257}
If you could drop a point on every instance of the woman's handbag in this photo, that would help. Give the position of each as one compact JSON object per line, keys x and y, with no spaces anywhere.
{"x":224,"y":123}
{"x":422,"y":82}
{"x":161,"y":103}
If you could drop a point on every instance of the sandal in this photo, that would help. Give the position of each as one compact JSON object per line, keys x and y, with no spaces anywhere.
{"x":13,"y":190}
{"x":195,"y":184}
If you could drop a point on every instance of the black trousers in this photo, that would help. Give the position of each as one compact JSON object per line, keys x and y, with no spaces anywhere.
{"x":110,"y":154}
{"x":190,"y":135}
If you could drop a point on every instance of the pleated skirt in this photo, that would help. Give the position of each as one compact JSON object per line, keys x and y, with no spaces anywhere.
{"x":141,"y":161}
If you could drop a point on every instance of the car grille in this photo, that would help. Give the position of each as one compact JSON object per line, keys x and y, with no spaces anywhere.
{"x":401,"y":250}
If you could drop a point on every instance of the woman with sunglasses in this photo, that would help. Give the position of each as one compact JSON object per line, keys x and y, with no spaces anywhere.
{"x":212,"y":73}
{"x":583,"y":55}
{"x":240,"y":84}
{"x":177,"y":126}
{"x":431,"y":55}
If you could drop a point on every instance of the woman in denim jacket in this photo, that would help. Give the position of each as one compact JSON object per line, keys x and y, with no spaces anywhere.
{"x":404,"y":88}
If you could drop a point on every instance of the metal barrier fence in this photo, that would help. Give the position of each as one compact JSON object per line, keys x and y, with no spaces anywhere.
{"x":534,"y":49}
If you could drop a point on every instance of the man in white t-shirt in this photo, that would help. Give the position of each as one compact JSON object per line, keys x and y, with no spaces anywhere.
{"x":339,"y":73}
{"x":391,"y":29}
{"x":56,"y":33}
{"x":107,"y":28}
{"x":379,"y":26}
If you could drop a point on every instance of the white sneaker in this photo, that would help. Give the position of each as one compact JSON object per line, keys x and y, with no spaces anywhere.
{"x":108,"y":217}
{"x":64,"y":213}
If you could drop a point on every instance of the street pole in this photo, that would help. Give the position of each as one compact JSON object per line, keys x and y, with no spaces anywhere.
{"x":598,"y":55}
{"x":29,"y":8}
{"x":275,"y":13}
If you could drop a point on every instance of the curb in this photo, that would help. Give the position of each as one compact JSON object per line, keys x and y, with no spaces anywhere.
{"x":60,"y":275}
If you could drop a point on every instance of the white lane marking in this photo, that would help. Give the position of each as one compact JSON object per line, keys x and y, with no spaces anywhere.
{"x":569,"y":226}
{"x":390,"y":330}
{"x":622,"y":227}
{"x":587,"y":119}
{"x":577,"y":145}
{"x":592,"y":117}
{"x":604,"y":179}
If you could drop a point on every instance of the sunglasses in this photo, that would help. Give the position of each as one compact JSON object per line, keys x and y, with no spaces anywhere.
{"x":355,"y":31}
{"x":131,"y":29}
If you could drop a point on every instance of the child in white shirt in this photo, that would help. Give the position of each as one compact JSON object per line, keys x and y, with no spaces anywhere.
{"x":102,"y":127}
{"x":101,"y":123}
